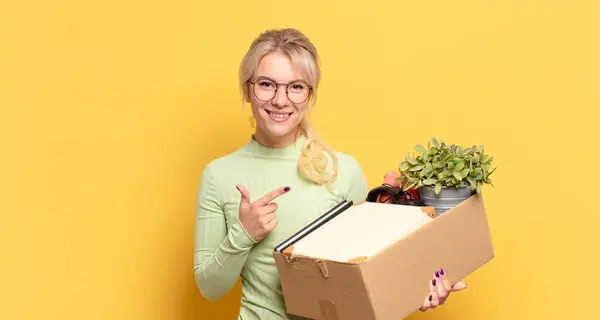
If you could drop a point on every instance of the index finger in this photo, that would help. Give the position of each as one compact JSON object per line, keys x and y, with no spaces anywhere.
{"x":271,"y":196}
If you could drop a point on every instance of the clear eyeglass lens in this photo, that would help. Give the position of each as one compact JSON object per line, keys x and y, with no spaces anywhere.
{"x":265,"y":90}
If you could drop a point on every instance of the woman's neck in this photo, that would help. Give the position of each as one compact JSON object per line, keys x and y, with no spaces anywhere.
{"x":276,"y":142}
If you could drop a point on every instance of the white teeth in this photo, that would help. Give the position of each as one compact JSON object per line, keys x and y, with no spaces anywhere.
{"x":279,"y":115}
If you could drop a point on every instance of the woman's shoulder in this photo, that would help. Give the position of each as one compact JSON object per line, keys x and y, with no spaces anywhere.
{"x":349,"y":169}
{"x":225,"y":164}
{"x":346,"y":161}
{"x":351,"y":179}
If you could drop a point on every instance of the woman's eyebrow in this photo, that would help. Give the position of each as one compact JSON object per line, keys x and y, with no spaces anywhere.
{"x":267,"y":78}
{"x":264,"y":77}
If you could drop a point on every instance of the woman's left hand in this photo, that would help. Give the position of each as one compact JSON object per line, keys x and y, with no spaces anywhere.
{"x":439,"y":290}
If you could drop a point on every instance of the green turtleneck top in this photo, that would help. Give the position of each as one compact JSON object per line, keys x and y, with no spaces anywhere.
{"x":223,"y":249}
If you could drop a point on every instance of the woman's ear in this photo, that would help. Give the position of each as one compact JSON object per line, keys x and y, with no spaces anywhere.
{"x":246,"y":93}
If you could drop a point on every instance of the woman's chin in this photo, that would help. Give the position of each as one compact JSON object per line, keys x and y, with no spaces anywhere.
{"x":278,"y":131}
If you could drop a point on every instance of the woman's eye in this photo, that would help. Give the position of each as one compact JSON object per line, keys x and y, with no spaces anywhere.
{"x":265,"y":84}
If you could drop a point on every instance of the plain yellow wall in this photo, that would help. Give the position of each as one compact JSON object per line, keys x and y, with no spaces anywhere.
{"x":110,"y":109}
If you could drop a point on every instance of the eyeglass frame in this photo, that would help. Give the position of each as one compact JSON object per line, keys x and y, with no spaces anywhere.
{"x":277,"y":85}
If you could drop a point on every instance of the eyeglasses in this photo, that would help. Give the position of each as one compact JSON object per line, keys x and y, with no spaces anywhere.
{"x":266,"y":89}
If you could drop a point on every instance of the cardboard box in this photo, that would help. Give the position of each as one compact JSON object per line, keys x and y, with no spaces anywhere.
{"x":374,"y":261}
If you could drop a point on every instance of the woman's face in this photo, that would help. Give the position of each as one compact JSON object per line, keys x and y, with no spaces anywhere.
{"x":278,"y":109}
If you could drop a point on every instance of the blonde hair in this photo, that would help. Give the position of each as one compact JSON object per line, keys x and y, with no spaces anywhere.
{"x":313,"y":161}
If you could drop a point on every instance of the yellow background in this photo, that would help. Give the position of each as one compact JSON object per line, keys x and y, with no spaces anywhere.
{"x":110,"y":109}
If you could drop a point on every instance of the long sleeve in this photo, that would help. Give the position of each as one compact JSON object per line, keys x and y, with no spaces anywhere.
{"x":219,"y":253}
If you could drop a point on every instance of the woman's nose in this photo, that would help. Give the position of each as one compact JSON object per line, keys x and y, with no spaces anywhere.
{"x":280,"y":98}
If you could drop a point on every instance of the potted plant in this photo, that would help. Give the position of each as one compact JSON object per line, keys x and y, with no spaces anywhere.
{"x":445,"y":174}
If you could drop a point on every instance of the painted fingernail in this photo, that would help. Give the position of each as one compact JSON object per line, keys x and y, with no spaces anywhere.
{"x":237,"y":187}
{"x":286,"y":189}
{"x":437,"y":274}
{"x":442,"y":271}
{"x":430,"y":297}
{"x":433,"y":282}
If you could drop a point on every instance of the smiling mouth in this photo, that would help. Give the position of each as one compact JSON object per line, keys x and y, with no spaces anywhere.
{"x":279,"y":115}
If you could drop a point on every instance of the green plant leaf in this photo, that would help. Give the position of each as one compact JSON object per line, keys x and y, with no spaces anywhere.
{"x":472,"y":183}
{"x":460,"y":166}
{"x":428,"y":182}
{"x":435,"y":142}
{"x":438,"y":188}
{"x":404,"y":166}
{"x":476,"y":174}
{"x":412,"y":160}
{"x":425,"y":171}
{"x":416,"y":168}
{"x":457,"y":175}
{"x":420,"y":148}
{"x":478,"y":188}
{"x":446,"y":174}
{"x":465,"y":172}
{"x":410,"y":185}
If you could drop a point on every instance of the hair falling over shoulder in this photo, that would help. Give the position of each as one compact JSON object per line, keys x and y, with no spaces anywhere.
{"x":313,"y":161}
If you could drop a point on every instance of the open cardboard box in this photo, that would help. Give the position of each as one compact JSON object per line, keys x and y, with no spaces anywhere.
{"x":374,"y":261}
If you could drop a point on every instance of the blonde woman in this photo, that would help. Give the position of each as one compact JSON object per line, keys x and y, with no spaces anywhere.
{"x":285,"y":177}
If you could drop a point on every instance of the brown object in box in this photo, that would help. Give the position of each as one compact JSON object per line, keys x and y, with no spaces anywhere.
{"x":370,"y":266}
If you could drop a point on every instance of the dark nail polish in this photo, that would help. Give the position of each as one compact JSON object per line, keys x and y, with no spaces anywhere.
{"x":237,"y":187}
{"x":442,"y":271}
{"x":430,"y":297}
{"x":286,"y":189}
{"x":433,"y":282}
{"x":437,"y":274}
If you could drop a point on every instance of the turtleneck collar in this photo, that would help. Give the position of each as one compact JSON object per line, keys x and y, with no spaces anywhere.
{"x":290,"y":151}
